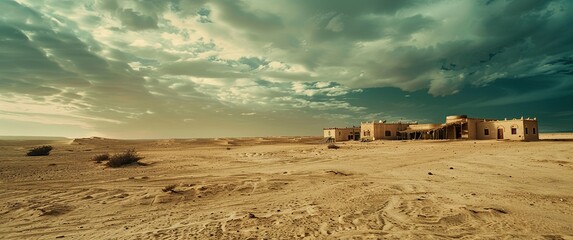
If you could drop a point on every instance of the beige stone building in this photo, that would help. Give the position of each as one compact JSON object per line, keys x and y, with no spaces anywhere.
{"x":342,"y":134}
{"x":515,"y":129}
{"x":455,"y":127}
{"x":383,"y":130}
{"x":463,"y":127}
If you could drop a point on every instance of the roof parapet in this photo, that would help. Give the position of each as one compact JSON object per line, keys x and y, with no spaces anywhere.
{"x":340,"y":128}
{"x":386,"y":122}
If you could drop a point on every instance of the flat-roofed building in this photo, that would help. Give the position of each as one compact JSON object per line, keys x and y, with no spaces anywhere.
{"x":514,"y":129}
{"x":462,"y":127}
{"x":383,"y":130}
{"x":455,"y":127}
{"x":342,"y":134}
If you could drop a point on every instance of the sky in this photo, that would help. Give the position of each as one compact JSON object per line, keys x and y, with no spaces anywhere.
{"x":231,"y":68}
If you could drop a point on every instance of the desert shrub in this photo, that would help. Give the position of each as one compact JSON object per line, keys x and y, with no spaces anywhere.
{"x":332,"y":146}
{"x":40,"y":151}
{"x":101,"y":157}
{"x":170,"y":188}
{"x":120,"y":159}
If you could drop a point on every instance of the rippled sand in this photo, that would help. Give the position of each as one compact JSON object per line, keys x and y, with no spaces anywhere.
{"x":289,"y":188}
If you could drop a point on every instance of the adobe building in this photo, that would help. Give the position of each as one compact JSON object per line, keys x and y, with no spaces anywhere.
{"x":515,"y":129}
{"x":455,"y":127}
{"x":342,"y":134}
{"x":383,"y":130}
{"x":462,"y":127}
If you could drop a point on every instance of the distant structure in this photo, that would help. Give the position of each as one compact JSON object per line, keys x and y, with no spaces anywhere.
{"x":384,"y":130}
{"x":342,"y":134}
{"x":455,"y":127}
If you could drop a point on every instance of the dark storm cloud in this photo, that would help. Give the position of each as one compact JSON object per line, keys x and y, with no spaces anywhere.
{"x":532,"y":34}
{"x":166,"y":62}
{"x":333,"y":33}
{"x":440,"y":46}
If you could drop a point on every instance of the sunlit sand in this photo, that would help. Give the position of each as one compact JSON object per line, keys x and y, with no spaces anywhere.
{"x":288,"y":188}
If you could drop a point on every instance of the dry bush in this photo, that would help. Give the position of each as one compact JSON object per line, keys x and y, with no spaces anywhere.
{"x":338,"y":173}
{"x":170,"y":188}
{"x":101,"y":157}
{"x":332,"y":146}
{"x":128,"y":157}
{"x":40,"y":151}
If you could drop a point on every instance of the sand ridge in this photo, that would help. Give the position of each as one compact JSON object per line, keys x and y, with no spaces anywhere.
{"x":289,"y":188}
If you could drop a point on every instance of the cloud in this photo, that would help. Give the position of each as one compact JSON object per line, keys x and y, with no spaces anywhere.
{"x":318,"y":88}
{"x":408,"y":45}
{"x":51,"y":111}
{"x":136,"y":21}
{"x":205,"y":68}
{"x":136,"y":16}
{"x":117,"y":60}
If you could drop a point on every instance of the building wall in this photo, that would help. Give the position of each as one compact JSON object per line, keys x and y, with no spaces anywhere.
{"x":367,"y":130}
{"x":394,"y":128}
{"x":329,"y":132}
{"x":472,"y":128}
{"x":341,"y":134}
{"x":531,"y":134}
{"x":475,"y":128}
{"x":492,"y":130}
{"x":506,"y":126}
{"x":377,"y":130}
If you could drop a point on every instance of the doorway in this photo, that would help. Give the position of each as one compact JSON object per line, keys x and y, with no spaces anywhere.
{"x":458,"y":131}
{"x":500,"y":133}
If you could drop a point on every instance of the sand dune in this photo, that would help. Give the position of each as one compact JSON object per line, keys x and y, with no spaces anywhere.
{"x":289,"y":188}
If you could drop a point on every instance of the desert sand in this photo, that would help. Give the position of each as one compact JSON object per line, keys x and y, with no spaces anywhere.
{"x":289,"y":188}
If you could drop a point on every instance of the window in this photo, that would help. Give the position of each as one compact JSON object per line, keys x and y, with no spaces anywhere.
{"x":328,"y":133}
{"x":486,"y":132}
{"x":526,"y":132}
{"x":339,"y":133}
{"x":533,"y":130}
{"x":388,"y":133}
{"x":513,"y":130}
